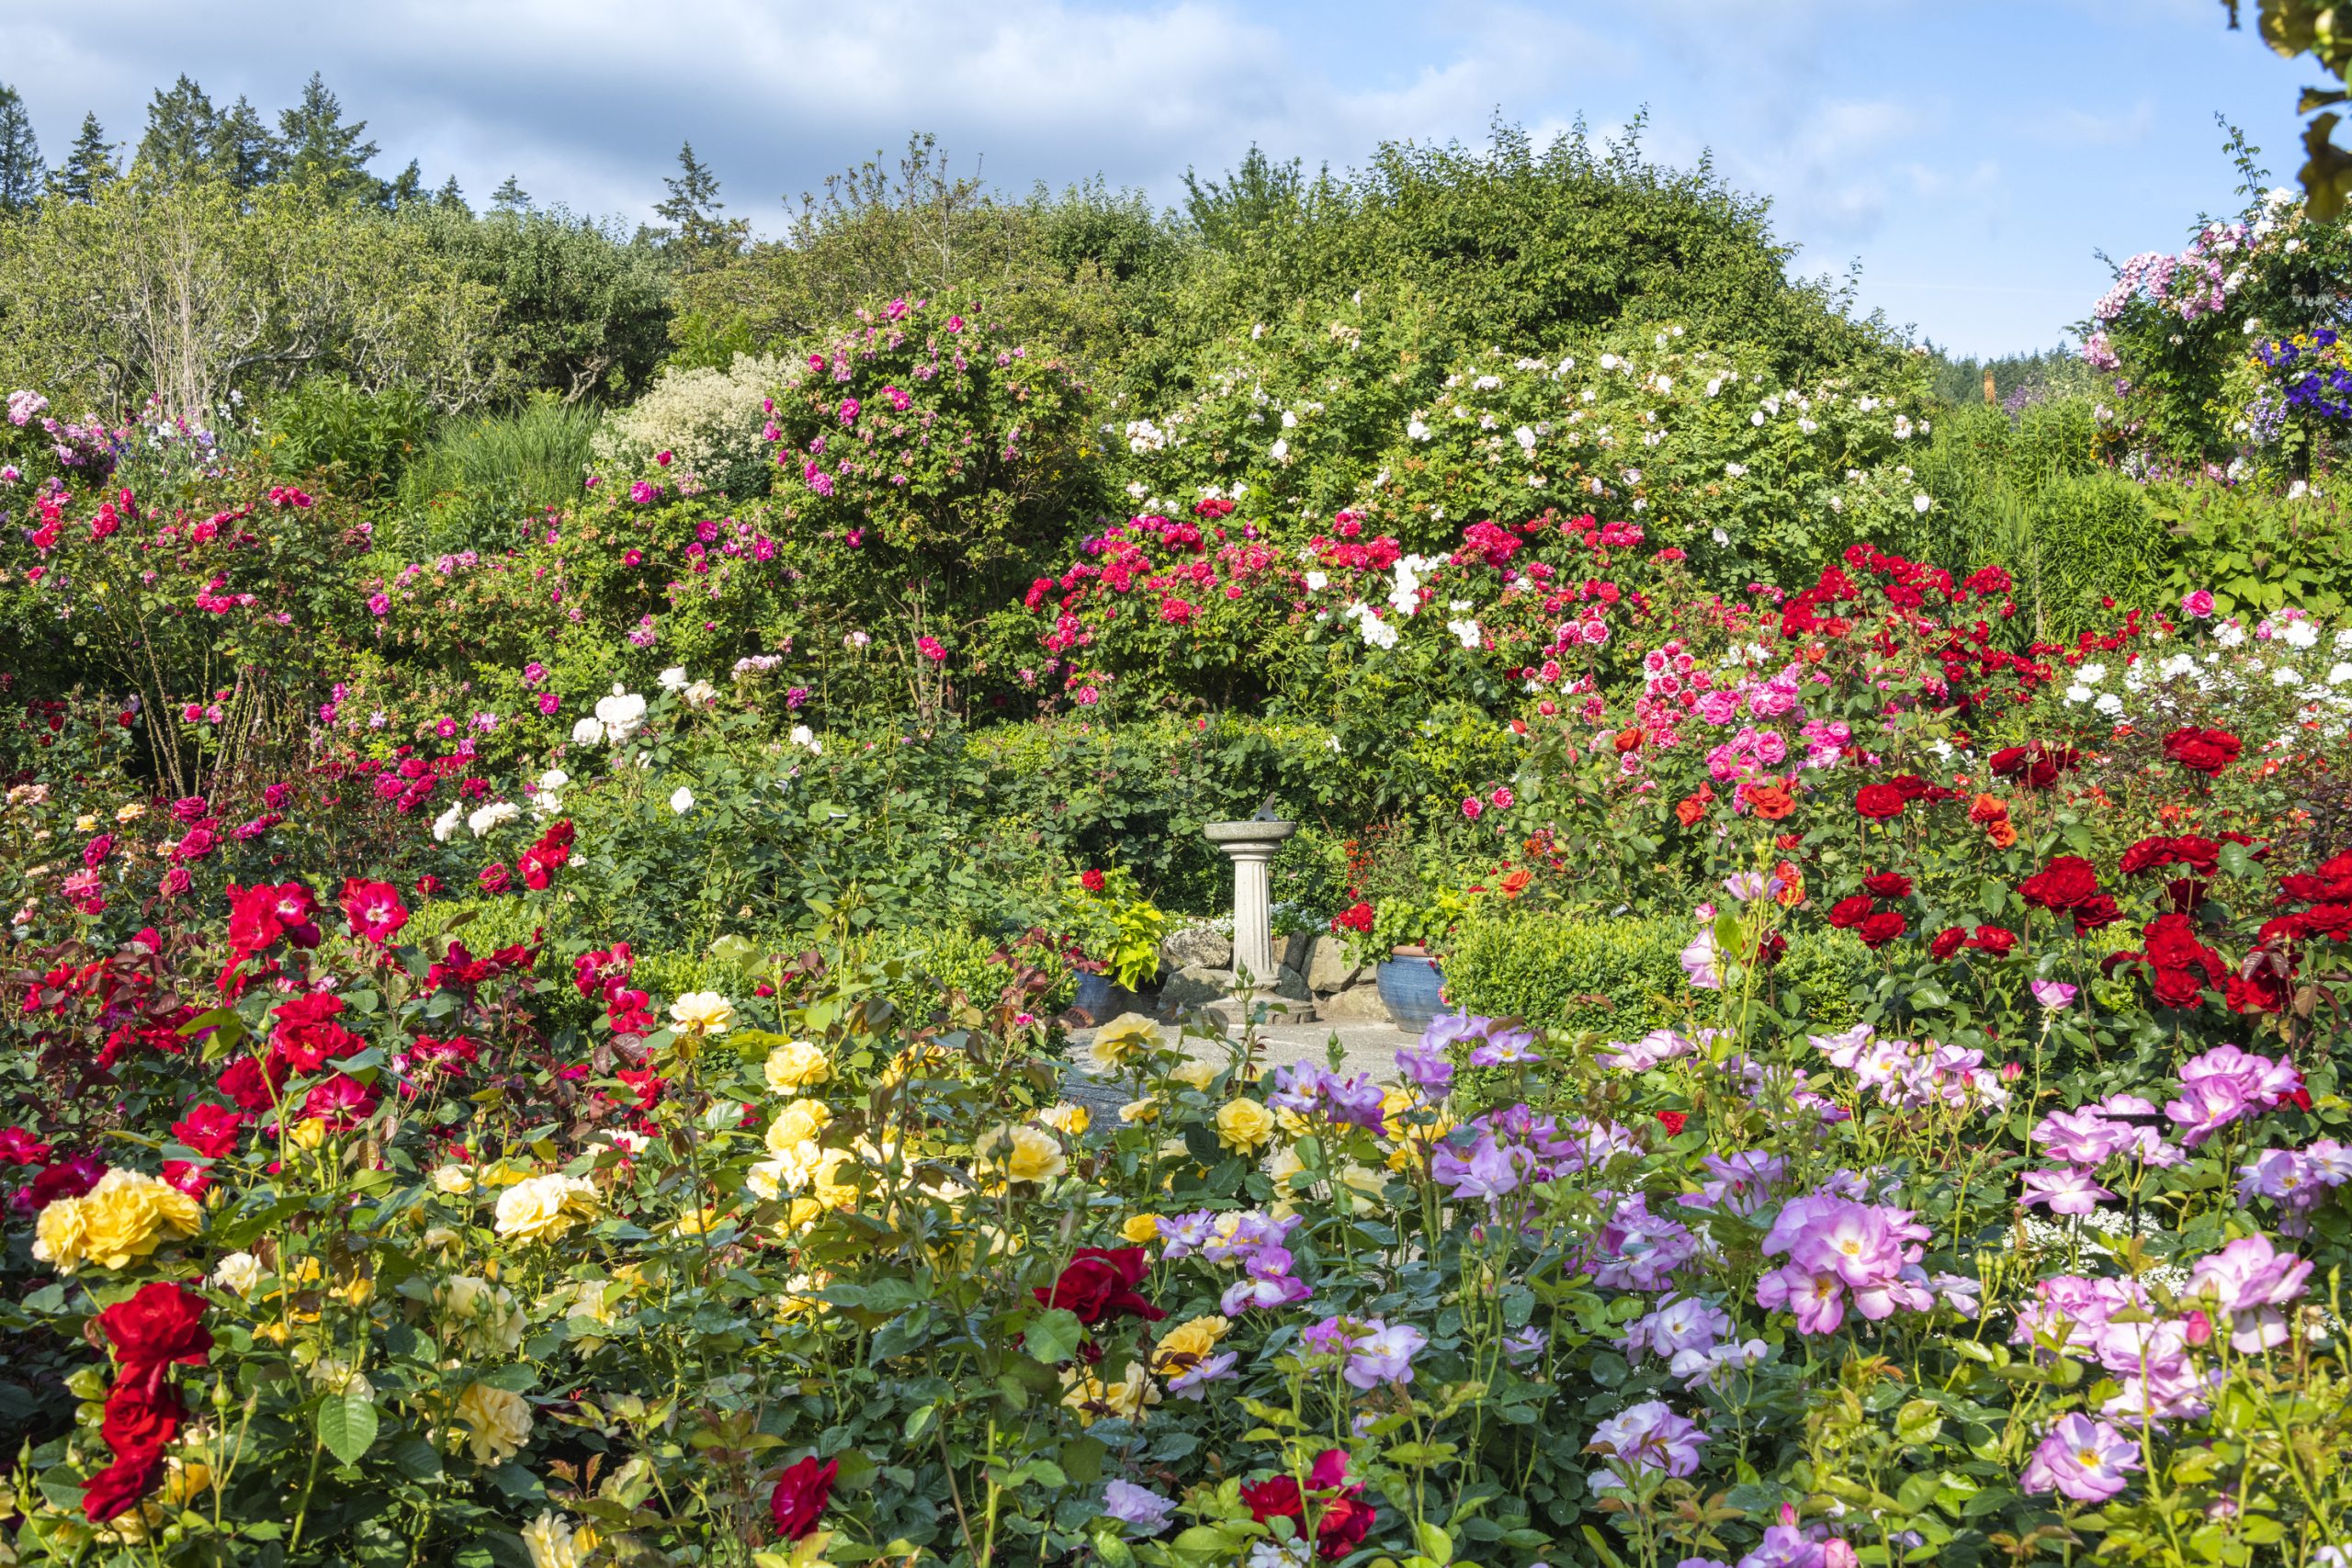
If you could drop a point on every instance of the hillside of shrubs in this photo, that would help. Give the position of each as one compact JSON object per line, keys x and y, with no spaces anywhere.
{"x":560,"y":780}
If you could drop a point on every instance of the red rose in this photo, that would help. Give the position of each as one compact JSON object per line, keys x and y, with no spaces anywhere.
{"x":248,"y":1083}
{"x":1881,"y":929}
{"x":2206,"y":752}
{"x":1673,"y":1122}
{"x":1878,"y":802}
{"x":801,"y":1496}
{"x":1100,"y":1283}
{"x":1277,"y":1499}
{"x":373,"y":908}
{"x":1911,"y":787}
{"x":135,"y":1421}
{"x":210,"y":1130}
{"x":1887,"y":884}
{"x":1091,"y":880}
{"x":1769,"y":951}
{"x":1946,"y":942}
{"x":1849,"y":912}
{"x":2179,"y":989}
{"x":2098,"y":910}
{"x":2067,"y":881}
{"x":1342,"y":1528}
{"x":1998,"y":941}
{"x":118,"y":1487}
{"x":161,"y":1325}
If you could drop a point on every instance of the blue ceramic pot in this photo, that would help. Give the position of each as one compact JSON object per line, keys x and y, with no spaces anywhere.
{"x":1411,"y":988}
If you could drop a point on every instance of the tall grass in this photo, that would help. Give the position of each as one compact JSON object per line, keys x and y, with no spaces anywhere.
{"x":478,"y":478}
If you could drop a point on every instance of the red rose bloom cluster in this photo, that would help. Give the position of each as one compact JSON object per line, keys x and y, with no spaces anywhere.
{"x":2206,"y":752}
{"x":1345,"y":1517}
{"x":159,"y":1327}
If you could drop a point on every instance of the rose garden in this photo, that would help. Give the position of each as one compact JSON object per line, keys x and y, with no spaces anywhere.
{"x":625,"y":954}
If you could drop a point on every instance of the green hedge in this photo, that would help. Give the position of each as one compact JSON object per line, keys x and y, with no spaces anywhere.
{"x":935,"y":961}
{"x":1623,"y":978}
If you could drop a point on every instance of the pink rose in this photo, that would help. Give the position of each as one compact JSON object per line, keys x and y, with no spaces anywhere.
{"x":2198,"y":605}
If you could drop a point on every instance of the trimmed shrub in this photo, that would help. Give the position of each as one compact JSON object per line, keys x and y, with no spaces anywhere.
{"x":1564,"y":974}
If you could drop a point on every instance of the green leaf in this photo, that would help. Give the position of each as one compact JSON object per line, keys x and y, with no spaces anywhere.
{"x":348,"y":1424}
{"x":1435,"y":1544}
{"x":1052,"y":1336}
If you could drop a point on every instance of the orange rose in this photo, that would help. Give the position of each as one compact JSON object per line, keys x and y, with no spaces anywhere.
{"x":2001,"y":833}
{"x":1988,"y":808}
{"x":1515,"y":884}
{"x":1792,"y":883}
{"x":1771,"y":802}
{"x":1689,"y":809}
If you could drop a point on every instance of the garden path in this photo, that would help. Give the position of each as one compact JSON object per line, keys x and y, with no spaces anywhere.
{"x":1364,"y":1047}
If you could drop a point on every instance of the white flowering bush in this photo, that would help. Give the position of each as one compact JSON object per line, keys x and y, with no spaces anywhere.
{"x":707,"y":422}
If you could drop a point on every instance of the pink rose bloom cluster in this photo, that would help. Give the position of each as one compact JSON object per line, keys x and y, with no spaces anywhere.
{"x":1913,"y":1077}
{"x":1839,"y":1249}
{"x":2225,"y":1084}
{"x":2147,"y":1353}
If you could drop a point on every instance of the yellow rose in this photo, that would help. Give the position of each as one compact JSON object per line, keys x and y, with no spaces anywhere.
{"x":60,"y":1235}
{"x":1140,"y":1228}
{"x":795,"y":1065}
{"x":1023,"y":1153}
{"x":454,"y":1179}
{"x":1184,"y":1346}
{"x":799,"y":1121}
{"x":1284,"y":1165}
{"x":552,"y":1542}
{"x":1066,"y":1118}
{"x":308,"y":1134}
{"x":1195,"y":1073}
{"x":1138,"y":1111}
{"x":1244,"y":1125}
{"x":85,"y":823}
{"x":1094,"y":1399}
{"x":702,"y":1012}
{"x":130,"y":813}
{"x":126,"y":1216}
{"x":498,"y":1422}
{"x":545,"y":1207}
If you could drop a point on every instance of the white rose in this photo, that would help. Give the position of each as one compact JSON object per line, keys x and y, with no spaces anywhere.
{"x":682,"y":800}
{"x":673,"y":677}
{"x":446,"y":823}
{"x":240,"y":1271}
{"x":588,"y":732}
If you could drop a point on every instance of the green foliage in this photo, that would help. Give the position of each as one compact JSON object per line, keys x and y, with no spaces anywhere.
{"x":2254,"y":553}
{"x":1540,"y":248}
{"x":357,"y":441}
{"x":204,"y":289}
{"x":581,"y":312}
{"x":1620,"y":978}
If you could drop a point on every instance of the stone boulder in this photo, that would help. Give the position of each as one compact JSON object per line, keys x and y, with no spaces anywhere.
{"x":1195,"y":985}
{"x":1196,"y":947}
{"x":1357,"y":1004}
{"x":1327,"y":968}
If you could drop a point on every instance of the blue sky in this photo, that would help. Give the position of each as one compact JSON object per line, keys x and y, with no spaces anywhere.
{"x":1970,"y":154}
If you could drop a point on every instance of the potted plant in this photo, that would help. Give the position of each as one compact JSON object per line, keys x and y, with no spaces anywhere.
{"x":1403,"y":938}
{"x":1119,"y":930}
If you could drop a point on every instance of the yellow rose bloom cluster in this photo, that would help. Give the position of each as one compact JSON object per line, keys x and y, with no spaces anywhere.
{"x":125,"y":1217}
{"x":552,"y":1542}
{"x":1093,"y":1399}
{"x":1186,"y":1345}
{"x":545,"y":1207}
{"x":796,"y":1064}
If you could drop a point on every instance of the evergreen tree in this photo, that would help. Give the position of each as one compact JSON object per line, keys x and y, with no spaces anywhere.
{"x":510,"y":196}
{"x":183,"y":128}
{"x":696,"y":234}
{"x":323,"y":152}
{"x":89,"y":167}
{"x":408,"y":189}
{"x":20,"y":165}
{"x":449,"y":198}
{"x":245,"y":152}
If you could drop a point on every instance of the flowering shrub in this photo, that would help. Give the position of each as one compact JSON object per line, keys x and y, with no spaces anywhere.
{"x":701,"y":426}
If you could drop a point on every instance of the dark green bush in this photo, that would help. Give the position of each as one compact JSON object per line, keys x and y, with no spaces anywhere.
{"x":356,"y":440}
